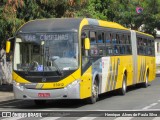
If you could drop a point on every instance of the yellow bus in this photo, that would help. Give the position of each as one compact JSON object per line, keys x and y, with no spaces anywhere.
{"x":78,"y":58}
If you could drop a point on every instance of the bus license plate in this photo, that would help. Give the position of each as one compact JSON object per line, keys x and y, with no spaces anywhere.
{"x":44,"y":95}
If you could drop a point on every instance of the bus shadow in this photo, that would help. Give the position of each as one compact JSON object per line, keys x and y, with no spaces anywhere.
{"x":30,"y":105}
{"x":115,"y":93}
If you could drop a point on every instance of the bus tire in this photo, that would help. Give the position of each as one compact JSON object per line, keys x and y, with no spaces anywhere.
{"x":145,"y":84}
{"x":40,"y":102}
{"x":93,"y":99}
{"x":123,"y":90}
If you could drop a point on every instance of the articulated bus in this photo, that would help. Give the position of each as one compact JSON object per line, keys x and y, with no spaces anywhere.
{"x":78,"y":58}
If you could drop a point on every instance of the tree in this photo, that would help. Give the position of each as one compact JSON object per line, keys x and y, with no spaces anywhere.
{"x":124,"y":12}
{"x":8,"y":20}
{"x":14,"y":13}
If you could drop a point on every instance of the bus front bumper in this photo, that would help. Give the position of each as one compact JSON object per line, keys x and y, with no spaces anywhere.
{"x":72,"y":91}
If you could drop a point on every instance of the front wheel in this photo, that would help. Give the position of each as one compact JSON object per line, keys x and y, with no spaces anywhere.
{"x":93,"y":99}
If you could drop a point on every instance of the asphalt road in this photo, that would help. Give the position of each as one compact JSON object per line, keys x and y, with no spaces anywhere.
{"x":137,"y":98}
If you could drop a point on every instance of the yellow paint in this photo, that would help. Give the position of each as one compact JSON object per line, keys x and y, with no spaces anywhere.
{"x":149,"y":64}
{"x":18,"y":78}
{"x":39,"y":85}
{"x":87,"y":43}
{"x":51,"y":85}
{"x":8,"y":46}
{"x":144,"y":33}
{"x":152,"y":68}
{"x":86,"y":79}
{"x":125,"y":64}
{"x":86,"y":84}
{"x":111,"y":25}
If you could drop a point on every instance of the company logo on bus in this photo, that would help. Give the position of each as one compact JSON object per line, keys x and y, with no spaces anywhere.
{"x":43,"y":79}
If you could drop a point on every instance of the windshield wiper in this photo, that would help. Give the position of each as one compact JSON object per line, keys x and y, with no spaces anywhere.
{"x":58,"y":69}
{"x":48,"y":59}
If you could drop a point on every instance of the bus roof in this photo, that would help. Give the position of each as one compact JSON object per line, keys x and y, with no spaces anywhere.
{"x":66,"y":24}
{"x":144,"y":34}
{"x":50,"y":25}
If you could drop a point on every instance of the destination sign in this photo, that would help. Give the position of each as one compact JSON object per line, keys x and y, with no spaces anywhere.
{"x":29,"y":37}
{"x":54,"y":37}
{"x":45,"y":37}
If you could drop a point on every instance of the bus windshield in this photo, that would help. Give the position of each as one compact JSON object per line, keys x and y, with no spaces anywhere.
{"x":41,"y":52}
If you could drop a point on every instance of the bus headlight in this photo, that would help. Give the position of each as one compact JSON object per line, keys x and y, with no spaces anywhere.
{"x":18,"y":85}
{"x":74,"y":83}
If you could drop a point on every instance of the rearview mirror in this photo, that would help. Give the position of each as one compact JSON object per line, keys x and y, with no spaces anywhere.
{"x":87,"y":43}
{"x":8,"y":46}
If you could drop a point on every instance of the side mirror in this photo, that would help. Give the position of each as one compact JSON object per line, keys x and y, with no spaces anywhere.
{"x":8,"y":46}
{"x":87,"y":43}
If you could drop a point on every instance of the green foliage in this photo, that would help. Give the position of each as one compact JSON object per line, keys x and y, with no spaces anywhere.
{"x":14,"y":14}
{"x":89,"y":11}
{"x":124,"y":12}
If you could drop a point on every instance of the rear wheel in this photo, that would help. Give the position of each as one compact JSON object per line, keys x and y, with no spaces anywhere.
{"x":145,"y":84}
{"x":40,"y":102}
{"x":94,"y":96}
{"x":123,"y":90}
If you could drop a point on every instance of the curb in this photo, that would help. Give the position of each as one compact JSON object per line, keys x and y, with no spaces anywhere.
{"x":6,"y":98}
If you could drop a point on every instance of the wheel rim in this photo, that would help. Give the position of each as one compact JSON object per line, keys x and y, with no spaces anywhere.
{"x":146,"y":80}
{"x":95,"y":90}
{"x":124,"y":84}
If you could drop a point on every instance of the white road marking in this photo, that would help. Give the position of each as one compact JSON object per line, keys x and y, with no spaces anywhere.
{"x":89,"y":117}
{"x":151,"y":105}
{"x":156,"y":118}
{"x":86,"y":118}
{"x":50,"y":118}
{"x":12,"y":118}
{"x":154,"y":109}
{"x":123,"y":118}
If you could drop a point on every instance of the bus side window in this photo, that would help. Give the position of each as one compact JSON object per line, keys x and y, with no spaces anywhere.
{"x":109,"y":50}
{"x":100,"y":37}
{"x":85,"y":59}
{"x":93,"y":37}
{"x":83,"y":36}
{"x":101,"y":43}
{"x":126,"y":39}
{"x":94,"y":48}
{"x":122,"y":49}
{"x":117,"y":39}
{"x":113,"y":39}
{"x":122,"y":39}
{"x":116,"y":49}
{"x":115,"y":44}
{"x":128,"y":49}
{"x":129,"y":39}
{"x":108,"y":38}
